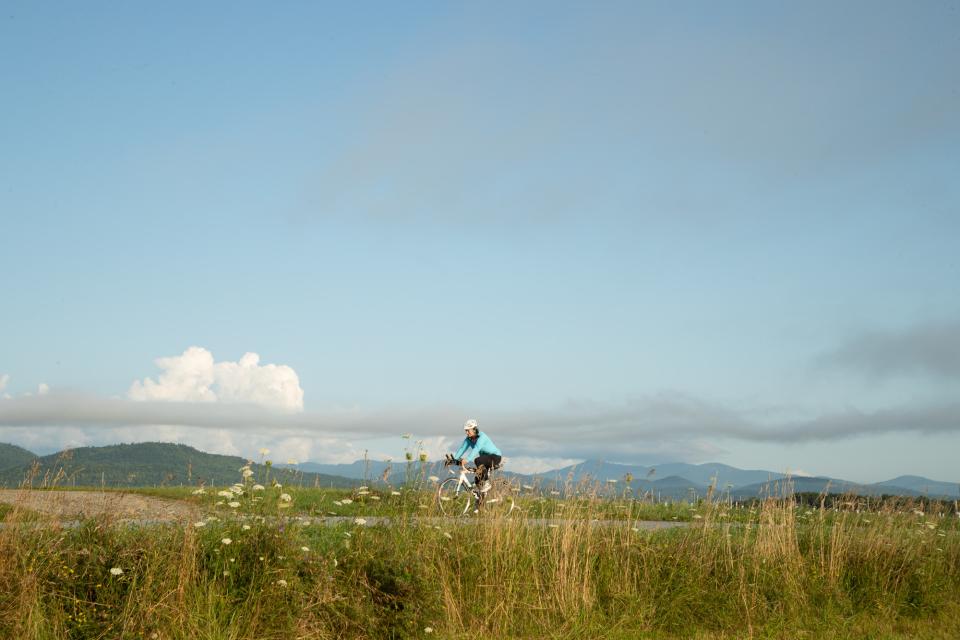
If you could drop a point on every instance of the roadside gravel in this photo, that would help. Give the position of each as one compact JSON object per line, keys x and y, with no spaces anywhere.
{"x":76,"y":505}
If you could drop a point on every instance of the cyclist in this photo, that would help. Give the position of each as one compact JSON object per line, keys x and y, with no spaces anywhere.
{"x":488,"y":456}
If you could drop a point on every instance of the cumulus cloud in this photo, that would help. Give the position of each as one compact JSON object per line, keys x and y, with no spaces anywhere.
{"x":931,"y":349}
{"x":194,"y":376}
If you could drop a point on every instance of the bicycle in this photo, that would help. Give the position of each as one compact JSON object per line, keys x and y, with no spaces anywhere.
{"x":459,"y":495}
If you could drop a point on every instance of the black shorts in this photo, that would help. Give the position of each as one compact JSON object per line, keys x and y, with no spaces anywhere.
{"x":488,"y":460}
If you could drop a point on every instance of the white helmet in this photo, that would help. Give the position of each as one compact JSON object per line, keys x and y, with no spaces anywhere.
{"x":471,"y":424}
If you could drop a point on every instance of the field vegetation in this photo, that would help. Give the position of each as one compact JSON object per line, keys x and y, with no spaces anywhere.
{"x":262,"y":565}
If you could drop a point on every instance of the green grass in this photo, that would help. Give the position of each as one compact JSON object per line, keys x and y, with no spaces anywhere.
{"x":773,"y":571}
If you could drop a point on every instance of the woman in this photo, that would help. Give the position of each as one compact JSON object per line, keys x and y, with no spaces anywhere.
{"x":488,"y":456}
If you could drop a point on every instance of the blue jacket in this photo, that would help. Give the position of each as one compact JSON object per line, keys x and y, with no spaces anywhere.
{"x":483,"y":445}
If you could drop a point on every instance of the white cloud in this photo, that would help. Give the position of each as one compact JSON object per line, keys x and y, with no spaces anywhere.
{"x":194,"y":376}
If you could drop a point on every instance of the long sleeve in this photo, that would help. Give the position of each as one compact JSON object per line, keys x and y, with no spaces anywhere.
{"x":463,"y":449}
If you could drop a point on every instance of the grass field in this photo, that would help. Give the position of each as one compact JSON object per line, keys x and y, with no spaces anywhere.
{"x":256,"y":570}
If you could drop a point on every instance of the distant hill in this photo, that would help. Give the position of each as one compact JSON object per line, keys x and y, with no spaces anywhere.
{"x":13,"y":456}
{"x":698,"y":474}
{"x":742,"y":483}
{"x":923,"y":486}
{"x":837,"y":486}
{"x":150,"y":464}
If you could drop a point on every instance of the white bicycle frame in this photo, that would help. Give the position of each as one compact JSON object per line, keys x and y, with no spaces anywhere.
{"x":464,"y":481}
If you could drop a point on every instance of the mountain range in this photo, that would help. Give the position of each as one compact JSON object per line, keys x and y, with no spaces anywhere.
{"x":142,"y":464}
{"x":668,"y":481}
{"x":165,"y":464}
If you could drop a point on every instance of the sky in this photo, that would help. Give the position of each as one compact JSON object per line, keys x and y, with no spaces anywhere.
{"x":641,"y":231}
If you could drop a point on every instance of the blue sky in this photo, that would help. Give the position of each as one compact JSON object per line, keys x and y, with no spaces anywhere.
{"x":628,"y":230}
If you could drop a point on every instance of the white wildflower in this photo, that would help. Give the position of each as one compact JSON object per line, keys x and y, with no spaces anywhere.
{"x":282,"y":583}
{"x":245,"y":527}
{"x":394,"y":493}
{"x":304,"y":548}
{"x":199,"y":524}
{"x":233,"y":505}
{"x":264,"y":452}
{"x":198,"y":492}
{"x":257,"y":487}
{"x":285,"y":497}
{"x":428,"y":629}
{"x":346,"y":501}
{"x":225,"y":494}
{"x":447,"y":536}
{"x":226,"y":541}
{"x":338,"y":503}
{"x":434,"y":479}
{"x":247,"y":473}
{"x":116,"y":571}
{"x":360,"y":521}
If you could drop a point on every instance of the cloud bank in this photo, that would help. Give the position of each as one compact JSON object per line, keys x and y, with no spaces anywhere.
{"x":931,"y":349}
{"x":664,"y":423}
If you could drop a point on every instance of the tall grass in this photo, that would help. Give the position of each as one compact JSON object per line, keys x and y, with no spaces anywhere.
{"x":777,"y":571}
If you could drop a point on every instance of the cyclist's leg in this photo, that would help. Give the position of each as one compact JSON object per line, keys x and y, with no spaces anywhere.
{"x":484,"y":464}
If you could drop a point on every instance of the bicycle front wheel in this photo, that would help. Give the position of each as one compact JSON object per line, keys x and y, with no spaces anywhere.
{"x":453,"y":497}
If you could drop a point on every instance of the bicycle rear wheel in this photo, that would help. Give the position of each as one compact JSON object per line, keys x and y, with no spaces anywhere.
{"x":501,"y":499}
{"x":453,"y":498}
